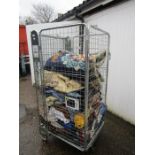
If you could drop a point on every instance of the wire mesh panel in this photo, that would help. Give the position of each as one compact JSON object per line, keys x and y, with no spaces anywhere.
{"x":73,"y":70}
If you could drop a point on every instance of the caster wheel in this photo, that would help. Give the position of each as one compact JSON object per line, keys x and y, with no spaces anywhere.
{"x":92,"y":149}
{"x":44,"y":138}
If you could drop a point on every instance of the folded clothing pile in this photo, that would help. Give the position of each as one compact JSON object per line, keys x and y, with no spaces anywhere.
{"x":64,"y":92}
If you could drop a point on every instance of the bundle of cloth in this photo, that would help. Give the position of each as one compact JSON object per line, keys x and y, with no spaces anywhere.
{"x":60,"y":82}
{"x":54,"y":97}
{"x":72,"y":64}
{"x":62,"y":72}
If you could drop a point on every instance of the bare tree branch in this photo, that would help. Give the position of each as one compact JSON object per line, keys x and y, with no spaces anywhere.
{"x":43,"y":12}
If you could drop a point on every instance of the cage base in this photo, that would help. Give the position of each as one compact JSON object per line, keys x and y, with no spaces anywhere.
{"x":82,"y":149}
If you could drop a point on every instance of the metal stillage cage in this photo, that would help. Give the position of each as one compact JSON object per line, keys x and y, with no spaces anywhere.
{"x":71,"y":72}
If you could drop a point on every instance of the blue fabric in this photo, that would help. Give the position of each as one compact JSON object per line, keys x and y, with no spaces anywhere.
{"x":52,"y":92}
{"x":102,"y":109}
{"x":69,"y":62}
{"x":69,"y":125}
{"x":60,"y":96}
{"x":65,"y":60}
{"x":61,"y":68}
{"x":53,"y":65}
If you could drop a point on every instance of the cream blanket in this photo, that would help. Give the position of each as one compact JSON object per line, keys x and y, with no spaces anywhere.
{"x":60,"y":83}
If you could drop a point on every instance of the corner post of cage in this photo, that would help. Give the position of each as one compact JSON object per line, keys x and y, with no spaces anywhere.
{"x":41,"y":59}
{"x":42,"y":70}
{"x":81,"y":39}
{"x":35,"y":44}
{"x":108,"y":55}
{"x":42,"y":80}
{"x":86,"y":52}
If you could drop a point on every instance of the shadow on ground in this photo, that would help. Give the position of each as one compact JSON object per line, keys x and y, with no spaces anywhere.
{"x":116,"y":138}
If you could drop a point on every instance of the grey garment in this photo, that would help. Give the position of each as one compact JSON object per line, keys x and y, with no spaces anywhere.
{"x":71,"y":112}
{"x":74,"y":94}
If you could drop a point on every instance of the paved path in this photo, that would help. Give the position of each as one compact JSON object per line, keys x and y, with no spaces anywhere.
{"x":116,"y":138}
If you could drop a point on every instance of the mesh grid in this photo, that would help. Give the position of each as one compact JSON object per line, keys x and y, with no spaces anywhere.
{"x":73,"y":71}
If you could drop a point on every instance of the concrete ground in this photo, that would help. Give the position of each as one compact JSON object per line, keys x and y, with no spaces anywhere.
{"x":116,"y":138}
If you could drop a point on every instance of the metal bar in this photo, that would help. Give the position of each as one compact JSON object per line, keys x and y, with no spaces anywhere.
{"x":36,"y":61}
{"x":42,"y":80}
{"x":86,"y":51}
{"x":90,"y":35}
{"x":95,"y":27}
{"x":70,"y":143}
{"x":95,"y":136}
{"x":54,"y":37}
{"x":81,"y":38}
{"x":107,"y":70}
{"x":65,"y":26}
